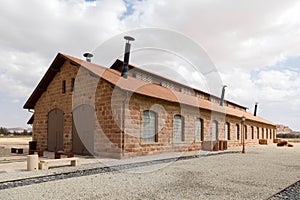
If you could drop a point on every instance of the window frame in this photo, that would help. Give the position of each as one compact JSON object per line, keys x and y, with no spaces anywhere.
{"x":201,"y":130}
{"x":217,"y":130}
{"x":64,"y":87}
{"x":237,"y":132}
{"x":143,"y":138}
{"x":227,"y":130}
{"x":72,"y":84}
{"x":182,"y":129}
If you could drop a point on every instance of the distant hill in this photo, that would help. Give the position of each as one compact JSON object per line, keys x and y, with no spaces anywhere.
{"x":286,"y":132}
{"x":282,"y":129}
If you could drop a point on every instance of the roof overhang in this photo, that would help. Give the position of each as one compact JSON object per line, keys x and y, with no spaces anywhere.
{"x":46,"y":80}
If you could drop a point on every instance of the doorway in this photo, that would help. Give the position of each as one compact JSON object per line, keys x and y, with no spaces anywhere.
{"x":83,"y":130}
{"x":55,"y":130}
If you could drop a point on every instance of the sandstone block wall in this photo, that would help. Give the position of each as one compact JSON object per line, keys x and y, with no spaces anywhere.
{"x":117,"y":110}
{"x":51,"y":99}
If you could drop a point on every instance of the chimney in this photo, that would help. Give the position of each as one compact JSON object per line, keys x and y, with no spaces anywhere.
{"x":255,"y":108}
{"x":126,"y":56}
{"x":222,"y":96}
{"x":88,"y":56}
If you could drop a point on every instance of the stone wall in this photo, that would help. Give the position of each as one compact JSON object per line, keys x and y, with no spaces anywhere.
{"x":165,"y":113}
{"x":117,"y":110}
{"x":51,"y":99}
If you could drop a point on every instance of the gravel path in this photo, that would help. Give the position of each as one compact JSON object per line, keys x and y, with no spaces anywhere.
{"x":291,"y":193}
{"x":258,"y":174}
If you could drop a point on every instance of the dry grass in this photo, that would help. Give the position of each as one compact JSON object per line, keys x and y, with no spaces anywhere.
{"x":16,"y":140}
{"x":295,"y":140}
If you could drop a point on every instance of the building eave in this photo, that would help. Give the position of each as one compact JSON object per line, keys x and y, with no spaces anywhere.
{"x":45,"y":81}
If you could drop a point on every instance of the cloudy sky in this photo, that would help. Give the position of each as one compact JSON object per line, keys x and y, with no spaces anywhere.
{"x":255,"y":45}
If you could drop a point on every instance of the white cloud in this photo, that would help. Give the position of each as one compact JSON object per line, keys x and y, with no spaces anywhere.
{"x":243,"y":33}
{"x":243,"y":38}
{"x":34,"y":32}
{"x":277,"y":91}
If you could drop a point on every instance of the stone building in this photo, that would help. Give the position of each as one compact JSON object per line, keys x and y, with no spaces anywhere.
{"x":85,"y":108}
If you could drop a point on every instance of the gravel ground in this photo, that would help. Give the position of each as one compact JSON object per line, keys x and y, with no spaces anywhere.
{"x":291,"y":193}
{"x":258,"y":174}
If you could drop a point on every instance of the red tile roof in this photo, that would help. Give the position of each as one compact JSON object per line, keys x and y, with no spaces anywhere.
{"x":118,"y":64}
{"x":137,"y":86}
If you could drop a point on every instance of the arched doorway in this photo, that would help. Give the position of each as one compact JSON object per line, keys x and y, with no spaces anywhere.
{"x":83,"y":130}
{"x":55,"y":130}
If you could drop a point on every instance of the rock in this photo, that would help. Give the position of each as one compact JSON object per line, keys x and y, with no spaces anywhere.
{"x":263,"y":141}
{"x":290,"y":145}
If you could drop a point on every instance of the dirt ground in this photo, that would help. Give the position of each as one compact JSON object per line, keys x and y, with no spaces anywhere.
{"x":258,"y":174}
{"x":13,"y":162}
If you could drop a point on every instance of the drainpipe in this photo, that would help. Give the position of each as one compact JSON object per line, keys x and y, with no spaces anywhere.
{"x":123,"y":124}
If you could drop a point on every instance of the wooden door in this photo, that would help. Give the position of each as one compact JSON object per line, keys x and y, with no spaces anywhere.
{"x":83,"y":130}
{"x":55,"y":130}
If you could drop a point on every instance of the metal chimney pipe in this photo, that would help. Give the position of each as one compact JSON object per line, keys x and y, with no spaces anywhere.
{"x":222,"y":96}
{"x":126,"y":56}
{"x":88,"y":56}
{"x":255,"y":108}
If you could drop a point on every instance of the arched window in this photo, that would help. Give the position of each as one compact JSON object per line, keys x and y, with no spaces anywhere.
{"x":227,"y":131}
{"x":237,"y":132}
{"x":199,"y":129}
{"x":178,"y":128}
{"x":257,"y":132}
{"x":245,"y":132}
{"x":214,"y":130}
{"x":252,"y":132}
{"x":149,"y":126}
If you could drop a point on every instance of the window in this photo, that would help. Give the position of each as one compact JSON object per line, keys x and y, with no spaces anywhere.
{"x":72,"y":84}
{"x":199,"y":129}
{"x":167,"y":85}
{"x":178,"y":128}
{"x":227,"y":131}
{"x":245,"y":132}
{"x":237,"y":132}
{"x":257,"y":132}
{"x":214,"y":130}
{"x":149,"y":126}
{"x":143,"y":77}
{"x":186,"y":91}
{"x":271,"y":134}
{"x":215,"y":100}
{"x":252,"y":132}
{"x":262,"y":133}
{"x":64,"y":87}
{"x":267,"y":133}
{"x":200,"y":95}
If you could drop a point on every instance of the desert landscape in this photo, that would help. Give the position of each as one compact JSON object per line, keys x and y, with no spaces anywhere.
{"x":259,"y":174}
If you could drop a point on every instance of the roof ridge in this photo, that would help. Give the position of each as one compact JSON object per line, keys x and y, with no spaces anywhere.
{"x":183,"y":84}
{"x":134,"y":85}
